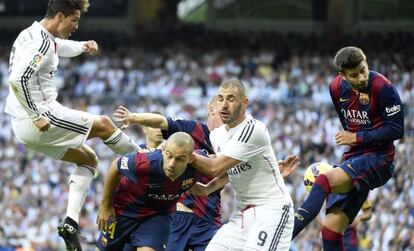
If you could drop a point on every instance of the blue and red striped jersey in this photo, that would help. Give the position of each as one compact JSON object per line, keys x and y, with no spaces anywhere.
{"x":205,"y":207}
{"x":376,"y":115}
{"x":144,"y":190}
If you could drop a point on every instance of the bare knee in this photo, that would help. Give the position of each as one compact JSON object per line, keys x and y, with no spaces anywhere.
{"x":103,"y":128}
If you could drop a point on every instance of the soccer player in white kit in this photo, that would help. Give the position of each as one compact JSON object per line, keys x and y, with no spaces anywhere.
{"x":263,"y":215}
{"x":43,"y":124}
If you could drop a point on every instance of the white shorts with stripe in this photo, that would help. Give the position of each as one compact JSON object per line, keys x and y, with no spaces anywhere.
{"x":69,"y":129}
{"x":266,"y":227}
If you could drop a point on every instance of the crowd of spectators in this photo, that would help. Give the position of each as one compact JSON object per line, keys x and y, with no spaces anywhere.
{"x":101,"y":8}
{"x":175,"y":73}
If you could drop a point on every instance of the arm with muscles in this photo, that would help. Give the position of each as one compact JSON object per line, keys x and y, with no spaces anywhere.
{"x":106,"y":209}
{"x":145,"y":119}
{"x":70,"y":48}
{"x":392,"y":112}
{"x":215,"y":184}
{"x":237,"y":150}
{"x":28,"y":66}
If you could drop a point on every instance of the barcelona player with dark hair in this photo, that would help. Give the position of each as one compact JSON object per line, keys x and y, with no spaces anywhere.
{"x":371,"y":113}
{"x":140,"y":193}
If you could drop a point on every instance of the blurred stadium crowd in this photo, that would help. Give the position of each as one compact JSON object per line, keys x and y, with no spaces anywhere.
{"x":175,"y":72}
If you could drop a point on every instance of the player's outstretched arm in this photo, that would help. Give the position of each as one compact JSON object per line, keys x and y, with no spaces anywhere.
{"x":215,"y":184}
{"x":214,"y":167}
{"x":70,"y":48}
{"x":126,"y":117}
{"x":106,"y":209}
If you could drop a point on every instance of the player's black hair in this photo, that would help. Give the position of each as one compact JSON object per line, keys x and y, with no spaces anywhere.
{"x":67,"y":7}
{"x":348,"y":58}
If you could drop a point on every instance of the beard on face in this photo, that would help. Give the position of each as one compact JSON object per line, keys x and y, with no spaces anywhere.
{"x":233,"y":116}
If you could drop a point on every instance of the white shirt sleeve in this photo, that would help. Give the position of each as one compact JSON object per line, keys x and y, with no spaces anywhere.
{"x":69,"y":48}
{"x":248,"y":142}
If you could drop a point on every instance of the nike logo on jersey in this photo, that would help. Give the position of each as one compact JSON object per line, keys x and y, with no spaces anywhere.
{"x":350,"y":167}
{"x":343,"y":99}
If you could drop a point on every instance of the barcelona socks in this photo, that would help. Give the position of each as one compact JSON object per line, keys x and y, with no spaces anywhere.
{"x":312,"y":205}
{"x":332,"y":241}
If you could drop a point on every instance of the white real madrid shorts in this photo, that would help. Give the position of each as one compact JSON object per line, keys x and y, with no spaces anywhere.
{"x":267,"y":227}
{"x":69,"y":129}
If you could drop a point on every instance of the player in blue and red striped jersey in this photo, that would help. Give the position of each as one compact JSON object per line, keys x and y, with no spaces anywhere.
{"x":198,"y":217}
{"x":372,"y":117}
{"x":140,"y":192}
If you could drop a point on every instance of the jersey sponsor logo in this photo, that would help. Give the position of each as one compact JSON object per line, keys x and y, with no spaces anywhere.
{"x":164,"y":196}
{"x":341,"y":99}
{"x":392,"y":110}
{"x":187,"y":184}
{"x":240,"y":168}
{"x":124,"y":163}
{"x":356,"y":116}
{"x":37,"y":59}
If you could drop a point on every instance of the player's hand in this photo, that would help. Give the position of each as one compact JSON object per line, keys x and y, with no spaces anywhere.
{"x":124,"y":116}
{"x":43,"y":124}
{"x":288,"y":165}
{"x":345,"y":138}
{"x":199,"y":189}
{"x":90,"y":47}
{"x":105,"y":214}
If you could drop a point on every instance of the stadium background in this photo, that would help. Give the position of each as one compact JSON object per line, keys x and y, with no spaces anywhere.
{"x":170,"y":56}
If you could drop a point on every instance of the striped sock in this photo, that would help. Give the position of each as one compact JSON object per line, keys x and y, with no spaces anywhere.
{"x":331,"y":240}
{"x":120,"y":143}
{"x":312,"y":205}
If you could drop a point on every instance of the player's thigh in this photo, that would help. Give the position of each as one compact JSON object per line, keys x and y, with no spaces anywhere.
{"x":83,"y":155}
{"x":228,"y":237}
{"x":368,"y":171}
{"x":272,"y":230}
{"x":145,"y":249}
{"x":152,"y":233}
{"x":118,"y":235}
{"x":336,"y":220}
{"x":339,"y":180}
{"x":69,"y":129}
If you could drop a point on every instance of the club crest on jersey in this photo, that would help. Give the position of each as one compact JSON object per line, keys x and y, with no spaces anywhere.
{"x":364,"y":98}
{"x":187,"y":183}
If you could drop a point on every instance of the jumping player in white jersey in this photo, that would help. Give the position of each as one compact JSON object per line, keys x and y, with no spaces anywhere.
{"x":263,"y":216}
{"x":43,"y":124}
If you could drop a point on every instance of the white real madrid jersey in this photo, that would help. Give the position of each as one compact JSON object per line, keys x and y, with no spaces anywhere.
{"x":257,"y":179}
{"x":33,"y":63}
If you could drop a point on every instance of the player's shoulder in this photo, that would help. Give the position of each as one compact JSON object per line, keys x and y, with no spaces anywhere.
{"x":148,"y":154}
{"x":379,"y":81}
{"x":336,"y":82}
